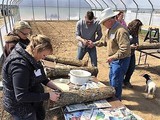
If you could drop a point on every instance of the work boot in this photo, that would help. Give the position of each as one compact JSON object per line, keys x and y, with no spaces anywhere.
{"x":128,"y":85}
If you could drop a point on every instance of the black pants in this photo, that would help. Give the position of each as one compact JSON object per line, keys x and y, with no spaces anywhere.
{"x":30,"y":116}
{"x":40,"y":111}
{"x":130,"y":70}
{"x":38,"y":106}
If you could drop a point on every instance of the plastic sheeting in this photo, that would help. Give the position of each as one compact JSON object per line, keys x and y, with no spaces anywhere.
{"x":148,"y":11}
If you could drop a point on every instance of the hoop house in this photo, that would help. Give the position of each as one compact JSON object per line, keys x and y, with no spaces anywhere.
{"x":46,"y":10}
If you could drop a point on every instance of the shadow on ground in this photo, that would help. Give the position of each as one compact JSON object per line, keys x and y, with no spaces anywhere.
{"x":138,"y":96}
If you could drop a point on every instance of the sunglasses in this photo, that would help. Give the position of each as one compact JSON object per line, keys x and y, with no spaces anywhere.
{"x":26,"y":34}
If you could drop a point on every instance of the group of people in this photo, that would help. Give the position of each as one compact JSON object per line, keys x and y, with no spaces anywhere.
{"x":23,"y":73}
{"x":121,"y":41}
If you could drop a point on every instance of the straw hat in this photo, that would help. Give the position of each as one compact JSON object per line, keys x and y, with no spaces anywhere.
{"x":21,"y":25}
{"x":106,"y":14}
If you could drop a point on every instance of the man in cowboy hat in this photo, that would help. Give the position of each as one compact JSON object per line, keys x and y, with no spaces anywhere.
{"x":118,"y":49}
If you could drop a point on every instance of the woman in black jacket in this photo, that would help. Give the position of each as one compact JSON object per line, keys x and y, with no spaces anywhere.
{"x":21,"y":32}
{"x":22,"y":72}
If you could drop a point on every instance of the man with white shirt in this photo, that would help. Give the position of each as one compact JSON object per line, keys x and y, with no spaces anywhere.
{"x":118,"y":49}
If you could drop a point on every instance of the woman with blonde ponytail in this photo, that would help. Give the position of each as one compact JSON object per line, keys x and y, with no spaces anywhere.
{"x":23,"y":74}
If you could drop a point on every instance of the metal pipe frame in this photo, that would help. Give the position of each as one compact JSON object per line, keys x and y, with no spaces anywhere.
{"x":88,"y":3}
{"x":124,"y":5}
{"x":79,"y":9}
{"x":3,"y":8}
{"x":19,"y":10}
{"x":1,"y":43}
{"x":105,"y":3}
{"x":4,"y":17}
{"x":58,"y":9}
{"x":8,"y":7}
{"x":114,"y":4}
{"x":33,"y":11}
{"x":94,"y":5}
{"x":11,"y":11}
{"x":45,"y":9}
{"x":99,"y":4}
{"x":17,"y":3}
{"x":12,"y":16}
{"x":9,"y":16}
{"x":69,"y":9}
{"x":137,"y":8}
{"x":151,"y":12}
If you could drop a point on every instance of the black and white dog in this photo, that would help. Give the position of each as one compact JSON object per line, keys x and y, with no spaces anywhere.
{"x":150,"y":85}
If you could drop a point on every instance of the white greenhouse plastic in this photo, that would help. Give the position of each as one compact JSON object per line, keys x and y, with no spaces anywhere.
{"x":148,"y":11}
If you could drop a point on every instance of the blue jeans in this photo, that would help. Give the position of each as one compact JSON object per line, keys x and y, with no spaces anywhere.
{"x":92,"y":54}
{"x":131,"y":69}
{"x":118,"y":69}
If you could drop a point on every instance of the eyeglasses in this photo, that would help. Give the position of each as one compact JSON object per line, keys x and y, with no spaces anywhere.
{"x":26,"y":34}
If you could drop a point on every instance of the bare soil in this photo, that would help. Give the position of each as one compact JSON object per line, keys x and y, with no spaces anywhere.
{"x":65,"y":45}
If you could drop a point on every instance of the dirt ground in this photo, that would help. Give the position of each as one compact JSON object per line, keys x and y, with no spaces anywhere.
{"x":63,"y":35}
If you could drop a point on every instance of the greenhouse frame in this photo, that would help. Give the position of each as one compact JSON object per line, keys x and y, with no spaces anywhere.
{"x":56,"y":28}
{"x":14,"y":10}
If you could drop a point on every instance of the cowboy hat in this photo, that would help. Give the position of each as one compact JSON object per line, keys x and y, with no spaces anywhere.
{"x":106,"y":14}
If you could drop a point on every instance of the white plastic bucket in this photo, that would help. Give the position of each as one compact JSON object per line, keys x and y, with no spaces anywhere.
{"x":79,"y":77}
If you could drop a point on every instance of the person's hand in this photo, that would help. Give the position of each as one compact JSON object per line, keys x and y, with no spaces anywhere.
{"x":54,"y":96}
{"x":109,"y":59}
{"x":134,"y":46}
{"x":90,"y":44}
{"x":85,"y":42}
